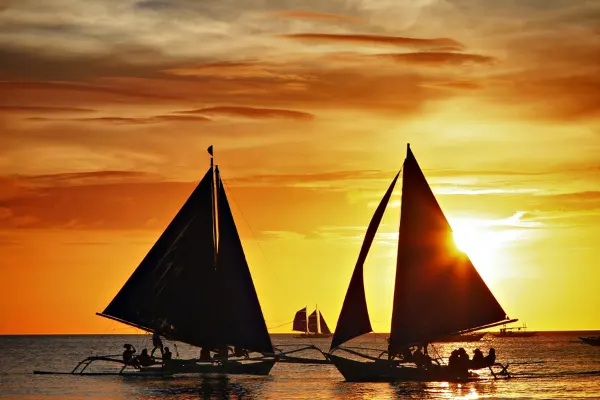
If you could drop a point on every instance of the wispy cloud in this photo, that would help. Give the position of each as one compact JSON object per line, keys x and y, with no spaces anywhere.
{"x":375,"y":40}
{"x":42,"y":110}
{"x":251,"y":112}
{"x":129,"y":120}
{"x":313,"y":16}
{"x":438,"y":58}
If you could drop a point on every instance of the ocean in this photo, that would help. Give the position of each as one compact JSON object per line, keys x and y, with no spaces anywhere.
{"x":546,"y":366}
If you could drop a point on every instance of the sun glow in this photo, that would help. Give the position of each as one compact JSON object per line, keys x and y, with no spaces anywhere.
{"x":486,"y":244}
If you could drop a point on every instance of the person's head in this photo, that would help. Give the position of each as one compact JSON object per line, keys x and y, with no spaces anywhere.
{"x":461,"y":351}
{"x":492,"y":351}
{"x":145,"y":351}
{"x":127,"y":346}
{"x":166,"y":349}
{"x":476,"y":351}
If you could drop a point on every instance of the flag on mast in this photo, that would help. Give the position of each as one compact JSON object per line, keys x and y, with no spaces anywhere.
{"x":210,"y":150}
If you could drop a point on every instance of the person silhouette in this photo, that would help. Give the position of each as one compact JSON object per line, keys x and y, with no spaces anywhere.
{"x":128,"y":353}
{"x":167,"y":355}
{"x":490,"y":359}
{"x":157,"y":343}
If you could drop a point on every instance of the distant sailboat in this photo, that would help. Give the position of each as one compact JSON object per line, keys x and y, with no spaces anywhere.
{"x":194,"y":286}
{"x":310,"y":326}
{"x":438,"y":291}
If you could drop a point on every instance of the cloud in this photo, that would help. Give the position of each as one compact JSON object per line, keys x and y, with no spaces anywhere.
{"x":89,"y":178}
{"x":313,"y":16}
{"x":113,"y":93}
{"x":334,"y":179}
{"x":328,"y":38}
{"x":438,"y":58}
{"x":42,"y":110}
{"x":251,"y":112}
{"x":129,"y":120}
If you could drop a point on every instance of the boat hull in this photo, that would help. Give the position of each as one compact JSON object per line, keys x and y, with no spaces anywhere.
{"x":244,"y":367}
{"x":514,"y":334}
{"x":592,"y":341}
{"x":192,"y":366}
{"x":313,"y":336}
{"x":386,"y":371}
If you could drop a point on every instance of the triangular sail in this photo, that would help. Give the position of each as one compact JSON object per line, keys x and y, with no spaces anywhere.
{"x":354,"y":317}
{"x":242,"y":319}
{"x":437,"y":291}
{"x":300,"y":321}
{"x":324,"y":327}
{"x":313,"y":326}
{"x":170,"y":291}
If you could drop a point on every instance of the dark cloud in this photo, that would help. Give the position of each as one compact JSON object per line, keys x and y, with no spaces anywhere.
{"x":251,"y":112}
{"x":42,"y":110}
{"x":87,"y":178}
{"x":438,"y":58}
{"x":20,"y":64}
{"x":128,"y":120}
{"x":375,"y":40}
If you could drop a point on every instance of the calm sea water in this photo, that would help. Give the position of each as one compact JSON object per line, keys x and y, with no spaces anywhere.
{"x":544,"y":367}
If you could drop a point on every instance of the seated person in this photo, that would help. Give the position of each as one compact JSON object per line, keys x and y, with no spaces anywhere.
{"x":128,"y":354}
{"x":167,"y":355}
{"x":478,"y":360}
{"x":453,"y":360}
{"x":205,"y":354}
{"x":144,"y":359}
{"x":420,"y":359}
{"x":240,"y":352}
{"x":463,"y":360}
{"x":490,"y":359}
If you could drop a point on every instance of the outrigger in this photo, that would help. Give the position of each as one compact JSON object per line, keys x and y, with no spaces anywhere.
{"x":180,"y":366}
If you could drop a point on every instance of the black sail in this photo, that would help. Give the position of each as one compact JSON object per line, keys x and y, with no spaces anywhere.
{"x":354,"y":317}
{"x":313,"y":324}
{"x":324,"y":327}
{"x":171,"y":289}
{"x":437,"y":291}
{"x":300,"y":321}
{"x":242,"y":320}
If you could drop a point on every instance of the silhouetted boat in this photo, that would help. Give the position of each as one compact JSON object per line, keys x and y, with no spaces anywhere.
{"x":591,"y":340}
{"x":195,"y":286}
{"x":514,"y":332}
{"x":438,"y":291}
{"x":313,"y":327}
{"x":467,"y":337}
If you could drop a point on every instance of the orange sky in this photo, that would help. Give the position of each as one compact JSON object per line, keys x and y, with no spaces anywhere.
{"x":107,"y":109}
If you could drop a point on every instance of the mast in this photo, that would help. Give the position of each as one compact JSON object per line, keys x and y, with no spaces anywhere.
{"x":318,"y":323}
{"x":307,"y":331}
{"x":214,"y":201}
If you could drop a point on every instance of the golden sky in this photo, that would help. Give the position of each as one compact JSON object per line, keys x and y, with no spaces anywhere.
{"x":107,"y":109}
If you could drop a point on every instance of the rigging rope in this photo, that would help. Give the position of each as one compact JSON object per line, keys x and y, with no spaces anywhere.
{"x":279,"y":326}
{"x":250,"y":229}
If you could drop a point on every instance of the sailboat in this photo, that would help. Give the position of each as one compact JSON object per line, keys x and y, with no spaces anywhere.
{"x":195,"y":286}
{"x":437,"y":292}
{"x":313,"y":327}
{"x":514,"y":332}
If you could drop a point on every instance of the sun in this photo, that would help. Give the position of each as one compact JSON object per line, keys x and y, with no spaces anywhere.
{"x":479,"y":242}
